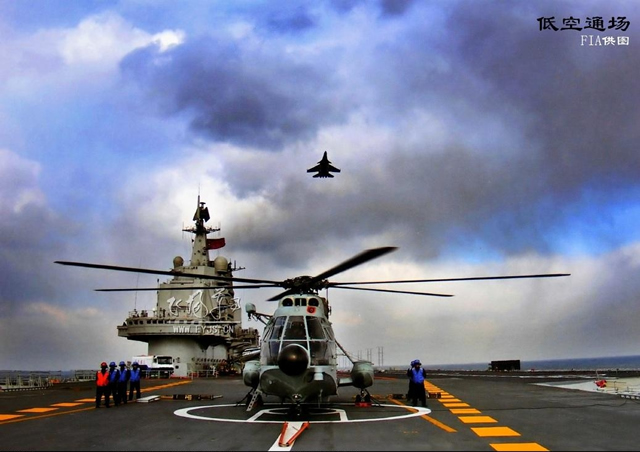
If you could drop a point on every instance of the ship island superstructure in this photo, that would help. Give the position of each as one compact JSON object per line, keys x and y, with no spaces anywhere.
{"x":196,"y":321}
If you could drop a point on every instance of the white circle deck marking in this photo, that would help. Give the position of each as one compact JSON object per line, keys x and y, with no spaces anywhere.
{"x":186,"y":412}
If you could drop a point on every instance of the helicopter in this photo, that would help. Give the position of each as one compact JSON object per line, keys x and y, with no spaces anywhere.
{"x":297,"y":360}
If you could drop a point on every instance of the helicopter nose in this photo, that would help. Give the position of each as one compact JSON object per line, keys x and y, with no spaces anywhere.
{"x":293,"y":360}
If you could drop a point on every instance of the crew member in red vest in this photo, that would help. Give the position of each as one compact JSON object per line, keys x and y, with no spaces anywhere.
{"x":102,"y":385}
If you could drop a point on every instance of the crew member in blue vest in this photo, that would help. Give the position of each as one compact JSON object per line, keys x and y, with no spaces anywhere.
{"x":123,"y":379}
{"x":134,"y":380}
{"x":417,"y":376}
{"x":114,"y":376}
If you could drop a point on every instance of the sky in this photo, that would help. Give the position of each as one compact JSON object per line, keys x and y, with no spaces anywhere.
{"x":477,"y":140}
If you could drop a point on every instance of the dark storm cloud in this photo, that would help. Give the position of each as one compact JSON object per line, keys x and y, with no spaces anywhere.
{"x":522,"y":132}
{"x":243,"y":97}
{"x":582,"y":100}
{"x":291,"y":21}
{"x":29,"y":230}
{"x":395,"y":7}
{"x":569,"y":110}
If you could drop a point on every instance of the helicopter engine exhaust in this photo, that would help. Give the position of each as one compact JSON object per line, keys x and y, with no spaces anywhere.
{"x":293,"y":360}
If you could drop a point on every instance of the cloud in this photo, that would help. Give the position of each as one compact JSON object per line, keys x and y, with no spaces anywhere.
{"x":467,"y":137}
{"x":28,"y":227}
{"x":237,"y":95}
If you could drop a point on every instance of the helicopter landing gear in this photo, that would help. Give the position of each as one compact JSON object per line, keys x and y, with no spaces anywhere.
{"x":364,"y":398}
{"x":296,"y":410}
{"x":253,"y":397}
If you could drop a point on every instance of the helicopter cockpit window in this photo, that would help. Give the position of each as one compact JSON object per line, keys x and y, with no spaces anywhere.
{"x":319,"y":349}
{"x":314,"y":302}
{"x":271,"y":344}
{"x":278,"y":326}
{"x":295,"y":328}
{"x":315,"y":328}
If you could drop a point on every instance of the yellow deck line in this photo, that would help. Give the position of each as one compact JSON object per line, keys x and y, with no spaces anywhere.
{"x":517,"y":447}
{"x":477,"y":419}
{"x":464,"y":411}
{"x":444,"y":427}
{"x":6,"y":417}
{"x":37,"y":410}
{"x":42,"y":416}
{"x":11,"y":418}
{"x":494,"y":431}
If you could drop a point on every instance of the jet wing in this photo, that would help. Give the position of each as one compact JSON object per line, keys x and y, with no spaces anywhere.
{"x":314,"y":169}
{"x":332,"y":168}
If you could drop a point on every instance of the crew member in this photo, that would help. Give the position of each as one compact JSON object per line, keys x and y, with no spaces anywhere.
{"x":417,"y":376}
{"x":123,"y":379}
{"x":114,"y":376}
{"x":102,"y":385}
{"x":134,"y":380}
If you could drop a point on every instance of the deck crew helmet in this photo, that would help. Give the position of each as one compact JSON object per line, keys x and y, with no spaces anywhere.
{"x":112,"y":364}
{"x":103,"y":364}
{"x":122,"y":363}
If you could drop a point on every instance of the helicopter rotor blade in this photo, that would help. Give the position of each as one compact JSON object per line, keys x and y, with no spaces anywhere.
{"x":394,"y":291}
{"x":356,"y":260}
{"x":168,"y":273}
{"x":475,"y":278}
{"x":257,"y":286}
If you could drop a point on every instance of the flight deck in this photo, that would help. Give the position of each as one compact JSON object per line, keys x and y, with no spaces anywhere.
{"x":465,"y":412}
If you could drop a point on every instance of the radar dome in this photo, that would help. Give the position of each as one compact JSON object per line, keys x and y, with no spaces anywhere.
{"x":178,"y":261}
{"x":221,"y":264}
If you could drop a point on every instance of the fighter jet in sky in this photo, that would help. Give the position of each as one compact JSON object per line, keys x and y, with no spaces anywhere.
{"x":323,"y":168}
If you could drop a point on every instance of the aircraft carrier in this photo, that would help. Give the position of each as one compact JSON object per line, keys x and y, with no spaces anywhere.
{"x":196,"y":325}
{"x":197,"y":322}
{"x":470,"y":411}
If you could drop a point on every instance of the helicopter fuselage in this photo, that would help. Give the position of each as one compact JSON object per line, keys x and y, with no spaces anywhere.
{"x":298,"y":354}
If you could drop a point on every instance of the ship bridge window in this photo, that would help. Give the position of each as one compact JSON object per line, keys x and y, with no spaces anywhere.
{"x":287,"y":302}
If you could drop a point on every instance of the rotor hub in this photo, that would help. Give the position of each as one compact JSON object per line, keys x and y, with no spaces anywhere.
{"x":304,"y":284}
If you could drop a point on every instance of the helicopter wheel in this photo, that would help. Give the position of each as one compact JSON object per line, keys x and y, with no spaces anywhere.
{"x":364,"y":396}
{"x":296,"y":410}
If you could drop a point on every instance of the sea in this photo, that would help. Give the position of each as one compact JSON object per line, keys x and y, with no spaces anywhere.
{"x":631,"y":362}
